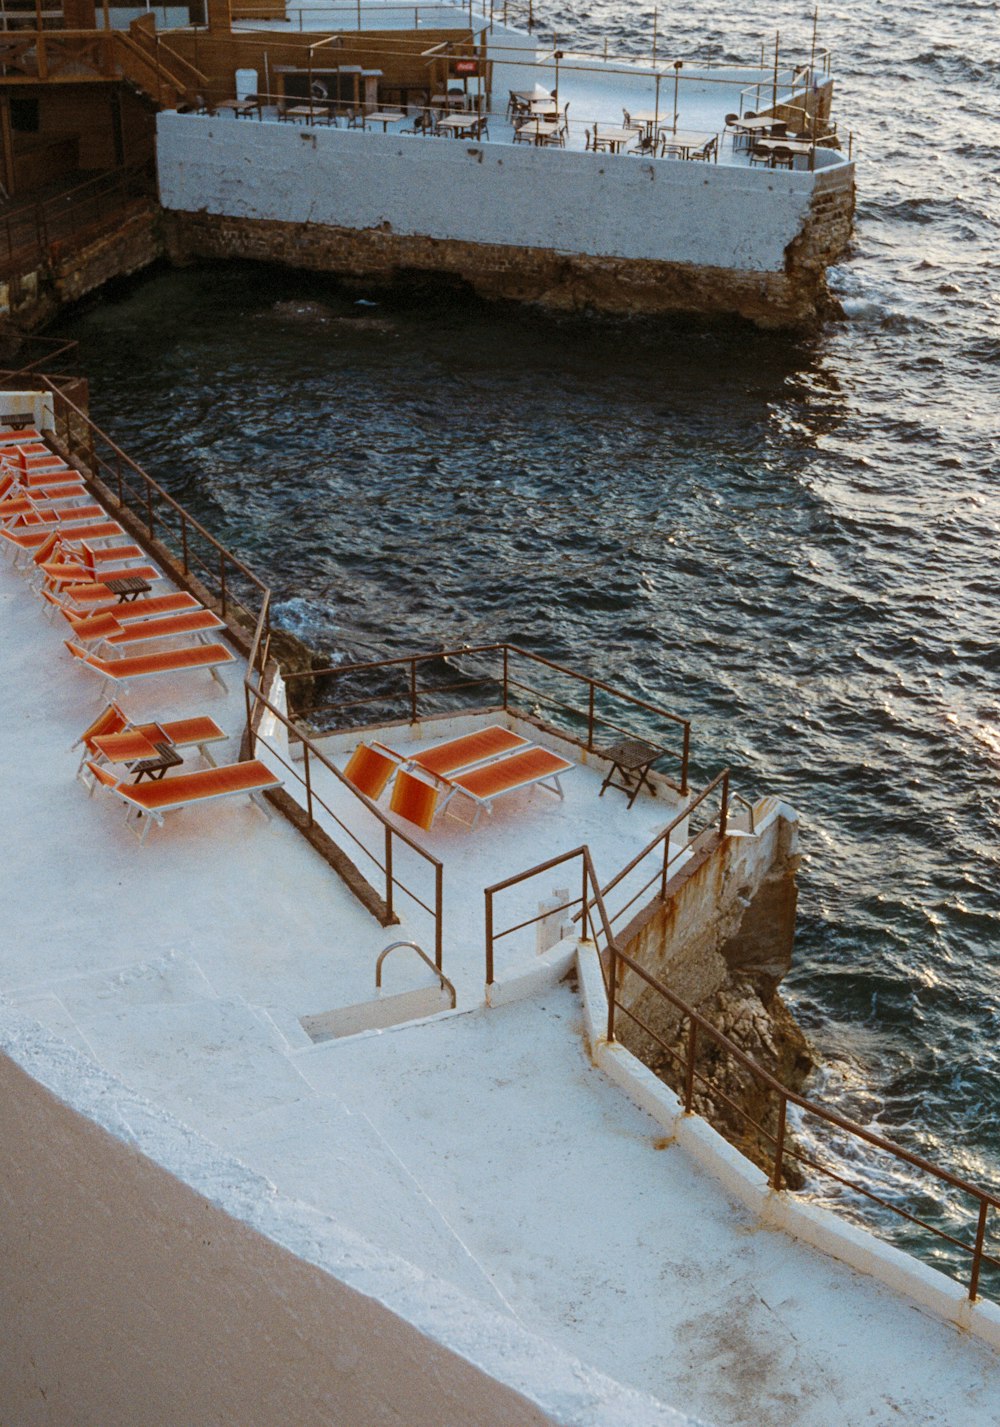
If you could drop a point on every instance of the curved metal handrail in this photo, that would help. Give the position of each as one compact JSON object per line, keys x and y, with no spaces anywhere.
{"x":393,"y":945}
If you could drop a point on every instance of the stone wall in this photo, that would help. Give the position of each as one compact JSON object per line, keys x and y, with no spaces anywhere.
{"x":71,"y":268}
{"x":568,"y":230}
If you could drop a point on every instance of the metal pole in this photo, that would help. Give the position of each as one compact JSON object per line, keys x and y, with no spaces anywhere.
{"x":779,"y":1148}
{"x":689,"y":1072}
{"x":654,"y":33}
{"x":590,"y":717}
{"x":977,"y":1257}
{"x":388,"y":870}
{"x":222,"y":579}
{"x":612,"y":993}
{"x":724,"y":810}
{"x":438,"y":914}
{"x":309,"y":796}
{"x":413,"y":690}
{"x":584,"y":911}
{"x":489,"y":938}
{"x":774,"y":98}
{"x":678,"y":66}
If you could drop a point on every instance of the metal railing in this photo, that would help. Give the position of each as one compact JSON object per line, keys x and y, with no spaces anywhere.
{"x":402,"y":694}
{"x":446,"y":985}
{"x":312,"y":757}
{"x":196,"y":552}
{"x":35,"y":232}
{"x":596,"y":925}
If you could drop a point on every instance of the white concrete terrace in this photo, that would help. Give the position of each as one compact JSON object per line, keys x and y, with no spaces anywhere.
{"x":483,"y":1147}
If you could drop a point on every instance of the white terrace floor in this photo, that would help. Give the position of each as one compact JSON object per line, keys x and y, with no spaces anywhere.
{"x":483,"y":1147}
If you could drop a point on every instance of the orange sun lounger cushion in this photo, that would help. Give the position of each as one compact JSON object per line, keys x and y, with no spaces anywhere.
{"x":369,"y":770}
{"x":152,"y":800}
{"x":470,"y":749}
{"x":413,"y":799}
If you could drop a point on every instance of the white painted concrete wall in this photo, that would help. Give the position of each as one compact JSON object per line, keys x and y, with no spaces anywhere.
{"x":150,"y":1279}
{"x":571,"y":202}
{"x":35,"y":406}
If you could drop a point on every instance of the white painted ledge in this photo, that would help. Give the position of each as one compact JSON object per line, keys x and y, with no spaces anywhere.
{"x":812,"y":1224}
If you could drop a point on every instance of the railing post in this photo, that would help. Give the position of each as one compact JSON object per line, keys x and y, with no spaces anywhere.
{"x":184,"y":542}
{"x":779,"y":1145}
{"x":121,"y":483}
{"x":505,"y":677}
{"x":413,"y":690}
{"x":388,"y":871}
{"x":689,"y":1069}
{"x":149,"y":509}
{"x":684,"y":759}
{"x":222,"y":580}
{"x":251,"y":736}
{"x":724,"y":809}
{"x":438,"y":915}
{"x":666,"y":864}
{"x":584,"y":918}
{"x":590,"y":716}
{"x":612,"y":989}
{"x":977,"y":1257}
{"x":309,"y":791}
{"x":489,"y":937}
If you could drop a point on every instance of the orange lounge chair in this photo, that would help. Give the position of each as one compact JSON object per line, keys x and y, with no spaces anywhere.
{"x":118,"y":672}
{"x":199,"y":732}
{"x":369,"y":769}
{"x":150,"y":801}
{"x":151,"y":606}
{"x":414,"y":799}
{"x":58,"y":574}
{"x":522,"y":770}
{"x":106,"y":628}
{"x":29,"y":537}
{"x":483,"y":746}
{"x":17,"y":438}
{"x":61,"y":519}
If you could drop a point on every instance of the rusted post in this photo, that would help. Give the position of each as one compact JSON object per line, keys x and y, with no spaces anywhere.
{"x":724,"y":809}
{"x":184,"y":541}
{"x":665,"y":877}
{"x":121,"y":483}
{"x":612,"y":989}
{"x":149,"y":509}
{"x":684,"y":758}
{"x":222,"y":580}
{"x":438,"y":915}
{"x":388,"y":870}
{"x":489,"y":938}
{"x":505,"y":657}
{"x":779,"y":1145}
{"x":413,"y":690}
{"x":251,"y":736}
{"x":590,"y":716}
{"x":584,"y":916}
{"x":689,"y":1070}
{"x":308,"y":777}
{"x":977,"y":1257}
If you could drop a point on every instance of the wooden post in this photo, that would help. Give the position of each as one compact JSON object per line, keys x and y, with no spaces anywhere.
{"x":774,"y":97}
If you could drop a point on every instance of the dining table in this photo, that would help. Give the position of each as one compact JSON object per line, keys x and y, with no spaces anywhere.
{"x":685,"y":142}
{"x":538,"y":131}
{"x":613,"y":138}
{"x":385,"y":117}
{"x":462,"y":126}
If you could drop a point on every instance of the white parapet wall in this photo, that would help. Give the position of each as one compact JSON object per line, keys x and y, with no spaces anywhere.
{"x":570,"y":202}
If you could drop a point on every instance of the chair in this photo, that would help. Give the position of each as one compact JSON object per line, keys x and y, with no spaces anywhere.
{"x":782,"y":157}
{"x":629,"y":123}
{"x":198,"y":731}
{"x":142,"y":666}
{"x":369,"y":770}
{"x":413,"y":799}
{"x":150,"y":801}
{"x":760,"y":156}
{"x":107,"y":629}
{"x":521,"y":770}
{"x":177,"y":602}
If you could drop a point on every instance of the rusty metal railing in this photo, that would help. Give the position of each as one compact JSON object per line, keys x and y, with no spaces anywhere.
{"x":596,"y":925}
{"x":197,"y":552}
{"x":36,"y":232}
{"x":313,"y":757}
{"x":402,"y":694}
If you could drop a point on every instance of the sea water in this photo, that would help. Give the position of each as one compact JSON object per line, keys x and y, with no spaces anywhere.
{"x":794,"y":541}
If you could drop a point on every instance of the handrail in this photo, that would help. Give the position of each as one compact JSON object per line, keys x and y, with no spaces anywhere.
{"x":615,"y":959}
{"x":255,"y":697}
{"x":43,"y":221}
{"x":504,"y":677}
{"x":445,"y":983}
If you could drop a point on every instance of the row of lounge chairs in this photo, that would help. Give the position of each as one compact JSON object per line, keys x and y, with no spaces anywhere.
{"x":69,"y":548}
{"x":476,"y":768}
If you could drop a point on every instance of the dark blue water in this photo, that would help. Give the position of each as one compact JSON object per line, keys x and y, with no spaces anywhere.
{"x":794,"y":541}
